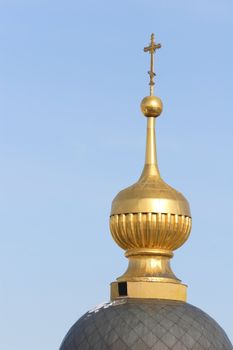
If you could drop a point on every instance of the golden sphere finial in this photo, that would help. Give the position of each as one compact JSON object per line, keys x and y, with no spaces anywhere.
{"x":151,"y":106}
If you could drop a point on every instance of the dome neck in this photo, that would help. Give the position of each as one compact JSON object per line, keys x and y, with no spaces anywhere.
{"x":151,"y":163}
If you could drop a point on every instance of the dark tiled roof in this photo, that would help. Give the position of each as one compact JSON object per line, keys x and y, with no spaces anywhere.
{"x":130,"y":324}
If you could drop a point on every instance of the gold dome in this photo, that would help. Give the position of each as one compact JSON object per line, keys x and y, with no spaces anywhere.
{"x":150,"y":219}
{"x":150,"y":214}
{"x":150,"y":195}
{"x":141,"y":212}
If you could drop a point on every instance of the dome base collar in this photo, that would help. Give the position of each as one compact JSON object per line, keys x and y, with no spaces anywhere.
{"x":149,"y":290}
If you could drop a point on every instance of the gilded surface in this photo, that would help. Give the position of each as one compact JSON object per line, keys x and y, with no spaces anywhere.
{"x":152,"y":49}
{"x":148,"y":290}
{"x":150,"y":219}
{"x":150,"y":230}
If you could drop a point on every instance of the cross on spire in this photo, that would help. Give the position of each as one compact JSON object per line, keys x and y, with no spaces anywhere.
{"x":151,"y":49}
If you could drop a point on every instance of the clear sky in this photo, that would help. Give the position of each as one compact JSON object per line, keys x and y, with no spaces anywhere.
{"x":72,"y":75}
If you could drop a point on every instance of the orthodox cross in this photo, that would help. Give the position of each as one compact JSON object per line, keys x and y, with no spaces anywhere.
{"x":151,"y":49}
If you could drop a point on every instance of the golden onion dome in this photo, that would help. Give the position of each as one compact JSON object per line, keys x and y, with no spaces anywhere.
{"x":150,"y":219}
{"x":142,"y":211}
{"x":150,"y":195}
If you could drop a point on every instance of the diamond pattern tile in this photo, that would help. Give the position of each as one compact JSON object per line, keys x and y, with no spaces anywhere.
{"x":130,"y":324}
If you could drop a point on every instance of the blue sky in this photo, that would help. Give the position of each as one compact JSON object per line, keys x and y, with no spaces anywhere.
{"x":72,"y":75}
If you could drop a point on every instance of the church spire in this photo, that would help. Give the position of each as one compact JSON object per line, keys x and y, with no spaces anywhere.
{"x":151,"y":107}
{"x":149,"y":220}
